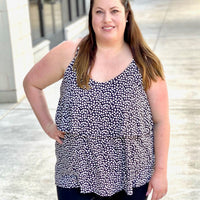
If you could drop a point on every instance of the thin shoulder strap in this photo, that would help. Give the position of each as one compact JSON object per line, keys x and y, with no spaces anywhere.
{"x":76,"y":54}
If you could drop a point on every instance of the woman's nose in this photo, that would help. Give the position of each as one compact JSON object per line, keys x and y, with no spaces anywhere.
{"x":107,"y":17}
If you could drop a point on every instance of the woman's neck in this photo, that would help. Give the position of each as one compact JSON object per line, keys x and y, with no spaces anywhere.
{"x":110,"y":49}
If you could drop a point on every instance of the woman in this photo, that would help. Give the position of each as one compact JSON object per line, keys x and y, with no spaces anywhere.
{"x":112,"y":123}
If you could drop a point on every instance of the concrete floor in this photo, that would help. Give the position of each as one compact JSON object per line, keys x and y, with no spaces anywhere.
{"x":172,"y":29}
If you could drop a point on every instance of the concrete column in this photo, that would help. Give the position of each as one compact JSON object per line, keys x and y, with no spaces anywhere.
{"x":16,"y":56}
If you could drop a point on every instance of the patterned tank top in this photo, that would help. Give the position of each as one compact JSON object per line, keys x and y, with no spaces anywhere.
{"x":108,"y":146}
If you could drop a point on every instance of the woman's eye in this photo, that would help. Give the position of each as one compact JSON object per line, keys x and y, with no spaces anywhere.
{"x":99,"y":12}
{"x":115,"y":11}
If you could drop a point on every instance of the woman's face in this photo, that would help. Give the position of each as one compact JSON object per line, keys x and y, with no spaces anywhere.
{"x":108,"y":20}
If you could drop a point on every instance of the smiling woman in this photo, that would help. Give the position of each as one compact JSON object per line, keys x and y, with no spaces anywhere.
{"x":112,"y":125}
{"x":109,"y":21}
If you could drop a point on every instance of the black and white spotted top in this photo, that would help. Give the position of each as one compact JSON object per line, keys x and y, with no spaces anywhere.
{"x":109,"y":142}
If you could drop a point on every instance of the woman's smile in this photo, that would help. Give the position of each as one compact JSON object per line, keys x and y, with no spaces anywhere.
{"x":108,"y":28}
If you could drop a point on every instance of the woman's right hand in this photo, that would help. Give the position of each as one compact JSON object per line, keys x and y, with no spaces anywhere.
{"x":53,"y":132}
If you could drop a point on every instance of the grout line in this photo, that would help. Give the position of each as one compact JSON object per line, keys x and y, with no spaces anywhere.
{"x":161,"y":27}
{"x":11,"y":108}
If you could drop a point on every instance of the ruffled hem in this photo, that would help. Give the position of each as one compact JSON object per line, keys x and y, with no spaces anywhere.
{"x":104,"y":165}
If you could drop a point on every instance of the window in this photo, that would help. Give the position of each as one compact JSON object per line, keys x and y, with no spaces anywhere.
{"x":80,"y":4}
{"x":35,"y":20}
{"x":49,"y":17}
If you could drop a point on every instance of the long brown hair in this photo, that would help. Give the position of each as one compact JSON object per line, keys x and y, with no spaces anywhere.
{"x":148,"y":63}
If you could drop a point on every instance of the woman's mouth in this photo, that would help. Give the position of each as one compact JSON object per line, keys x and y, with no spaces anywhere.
{"x":108,"y":28}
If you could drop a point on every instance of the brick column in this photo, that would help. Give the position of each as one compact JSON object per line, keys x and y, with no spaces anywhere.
{"x":16,"y":56}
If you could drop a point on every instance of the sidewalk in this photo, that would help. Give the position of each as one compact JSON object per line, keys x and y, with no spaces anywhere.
{"x":172,"y":29}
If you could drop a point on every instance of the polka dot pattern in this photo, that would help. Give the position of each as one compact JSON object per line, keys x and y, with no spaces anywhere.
{"x":108,"y":146}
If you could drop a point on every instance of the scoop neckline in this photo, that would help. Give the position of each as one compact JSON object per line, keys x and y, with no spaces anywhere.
{"x":111,"y":80}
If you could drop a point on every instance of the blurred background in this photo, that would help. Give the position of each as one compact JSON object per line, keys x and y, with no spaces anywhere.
{"x":30,"y":28}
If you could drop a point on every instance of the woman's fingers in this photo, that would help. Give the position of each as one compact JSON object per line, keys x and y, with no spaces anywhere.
{"x":53,"y":132}
{"x":58,"y":140}
{"x":149,"y":189}
{"x":157,"y":196}
{"x":158,"y":193}
{"x":61,"y":134}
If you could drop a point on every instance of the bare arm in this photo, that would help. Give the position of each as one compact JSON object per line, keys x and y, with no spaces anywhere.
{"x":47,"y":71}
{"x":158,"y":98}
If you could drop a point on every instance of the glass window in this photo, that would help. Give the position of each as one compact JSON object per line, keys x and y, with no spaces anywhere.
{"x":73,"y":10}
{"x":80,"y":7}
{"x":48,"y":17}
{"x":34,"y":20}
{"x":57,"y":15}
{"x":65,"y":12}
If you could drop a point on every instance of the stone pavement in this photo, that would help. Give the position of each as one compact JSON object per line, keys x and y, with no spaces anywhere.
{"x":172,"y":29}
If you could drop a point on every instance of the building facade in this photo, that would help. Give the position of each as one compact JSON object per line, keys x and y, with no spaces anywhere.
{"x":28,"y":30}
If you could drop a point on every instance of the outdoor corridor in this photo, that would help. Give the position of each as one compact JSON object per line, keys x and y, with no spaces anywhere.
{"x":172,"y":29}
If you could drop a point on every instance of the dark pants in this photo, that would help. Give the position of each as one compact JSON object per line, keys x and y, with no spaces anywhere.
{"x":74,"y":194}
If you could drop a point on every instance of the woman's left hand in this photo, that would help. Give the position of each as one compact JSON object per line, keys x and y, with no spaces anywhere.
{"x":159,"y":185}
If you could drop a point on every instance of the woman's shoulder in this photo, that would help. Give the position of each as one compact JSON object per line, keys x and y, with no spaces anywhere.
{"x":68,"y":48}
{"x":66,"y":51}
{"x":70,"y":45}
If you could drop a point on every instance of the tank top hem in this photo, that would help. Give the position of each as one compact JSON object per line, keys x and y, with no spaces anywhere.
{"x":107,"y":194}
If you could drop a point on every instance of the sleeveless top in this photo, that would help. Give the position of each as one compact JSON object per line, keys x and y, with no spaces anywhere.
{"x":109,"y":141}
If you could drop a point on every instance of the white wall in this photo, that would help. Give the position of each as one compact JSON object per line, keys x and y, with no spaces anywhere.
{"x":16,"y":55}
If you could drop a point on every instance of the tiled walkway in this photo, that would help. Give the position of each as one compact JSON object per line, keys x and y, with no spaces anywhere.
{"x":172,"y":28}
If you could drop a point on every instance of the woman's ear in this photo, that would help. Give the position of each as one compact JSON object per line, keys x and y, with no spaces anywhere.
{"x":126,"y":15}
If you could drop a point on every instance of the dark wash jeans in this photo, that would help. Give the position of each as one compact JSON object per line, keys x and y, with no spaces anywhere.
{"x":74,"y":194}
